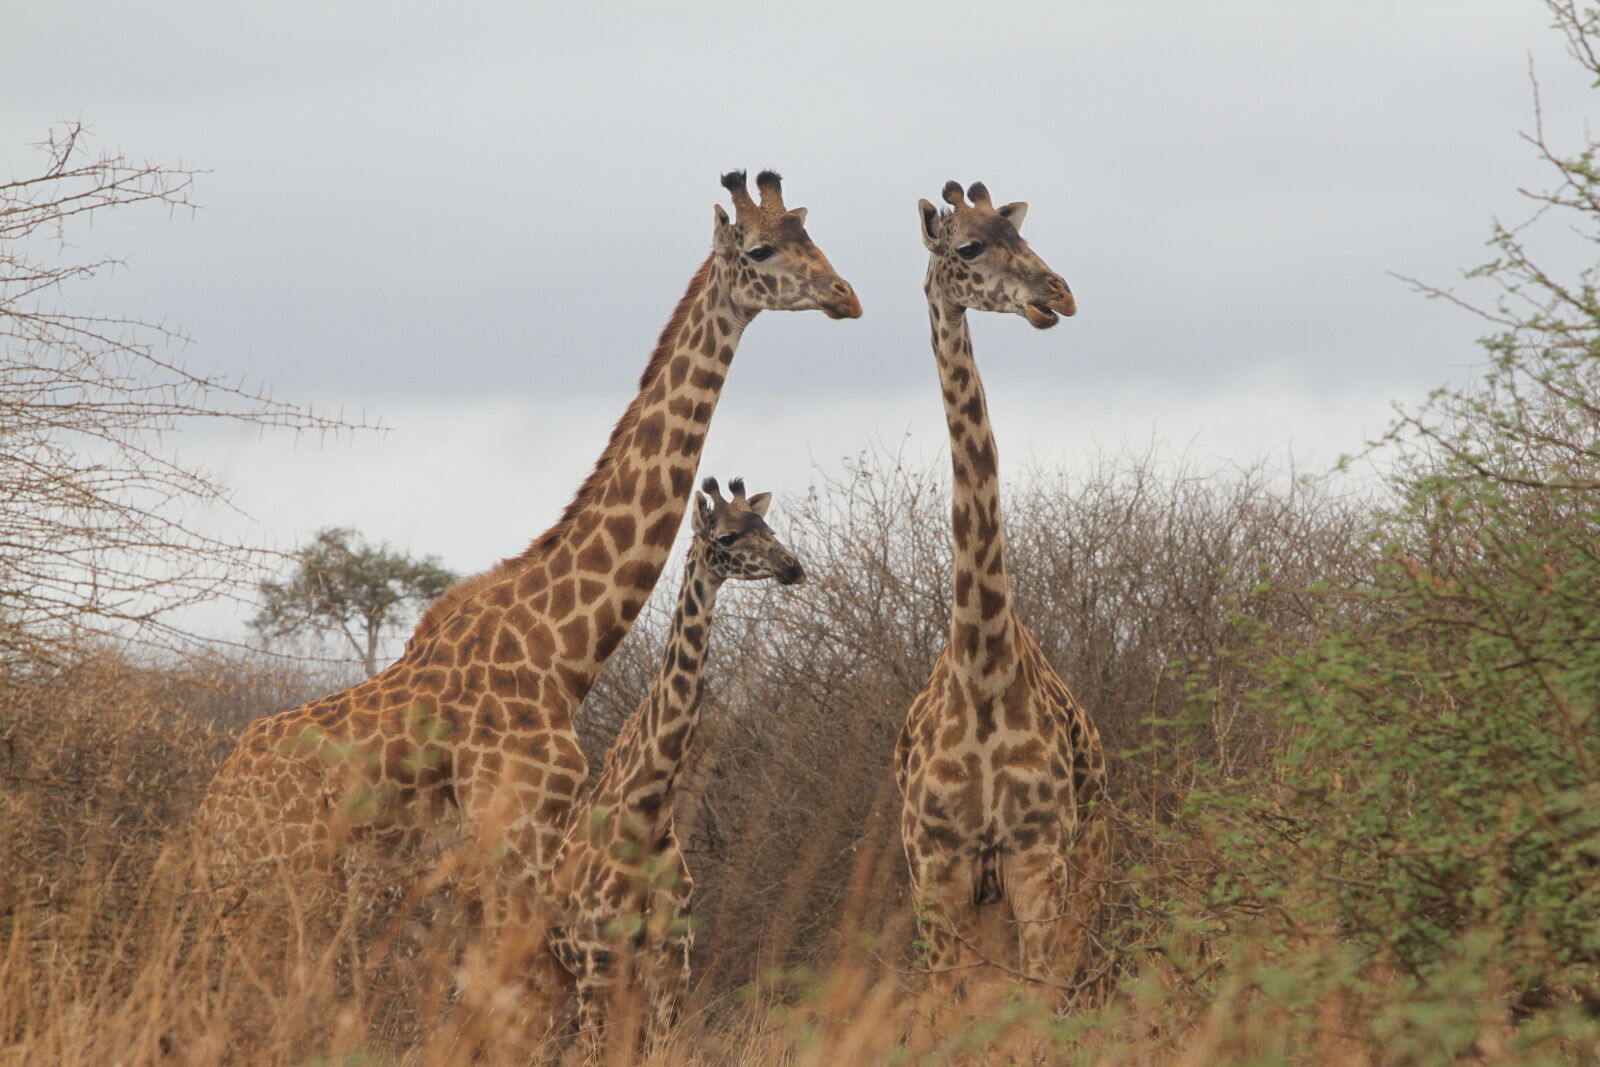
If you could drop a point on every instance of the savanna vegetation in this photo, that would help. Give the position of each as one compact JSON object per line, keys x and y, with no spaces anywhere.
{"x":1351,"y":720}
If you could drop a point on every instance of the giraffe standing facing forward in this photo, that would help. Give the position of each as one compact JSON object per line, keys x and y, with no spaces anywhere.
{"x":620,"y":888}
{"x":473,"y":725}
{"x":999,"y":767}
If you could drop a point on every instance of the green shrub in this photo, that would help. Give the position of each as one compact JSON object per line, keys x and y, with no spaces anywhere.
{"x":1430,"y":826}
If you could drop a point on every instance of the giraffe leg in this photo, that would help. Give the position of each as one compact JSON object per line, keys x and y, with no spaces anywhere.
{"x":506,"y":856}
{"x":947,"y":925}
{"x":551,"y":989}
{"x":671,"y":942}
{"x":667,"y":970}
{"x":666,"y":976}
{"x":588,"y":958}
{"x":595,"y":991}
{"x":1087,"y":861}
{"x":1038,"y":891}
{"x":1056,"y":898}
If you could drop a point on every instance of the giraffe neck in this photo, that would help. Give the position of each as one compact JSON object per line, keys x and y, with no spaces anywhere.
{"x":613,"y":549}
{"x":655,"y":742}
{"x":982,"y":644}
{"x":591,"y":572}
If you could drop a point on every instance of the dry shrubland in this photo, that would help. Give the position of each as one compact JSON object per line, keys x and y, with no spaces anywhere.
{"x":1133,"y":573}
{"x":1125,"y":571}
{"x":1228,"y":629}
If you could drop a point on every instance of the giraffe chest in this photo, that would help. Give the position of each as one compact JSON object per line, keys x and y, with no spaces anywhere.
{"x":978,"y":781}
{"x":988,"y":767}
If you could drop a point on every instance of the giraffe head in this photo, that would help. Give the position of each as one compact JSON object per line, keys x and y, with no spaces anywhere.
{"x":734,"y":538}
{"x":774,"y":265}
{"x":980,"y":261}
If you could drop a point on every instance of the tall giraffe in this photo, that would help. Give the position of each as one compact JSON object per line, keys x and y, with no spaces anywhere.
{"x":999,"y":766}
{"x":620,"y":886}
{"x":473,"y":725}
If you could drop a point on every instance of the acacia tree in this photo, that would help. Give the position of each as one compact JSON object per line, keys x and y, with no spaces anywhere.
{"x":343,"y":585}
{"x":93,"y":505}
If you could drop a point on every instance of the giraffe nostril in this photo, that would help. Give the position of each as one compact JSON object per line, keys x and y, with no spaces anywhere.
{"x":844,"y":304}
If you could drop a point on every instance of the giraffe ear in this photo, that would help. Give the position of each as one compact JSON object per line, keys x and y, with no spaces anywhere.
{"x":759,"y":503}
{"x":722,"y":232}
{"x":701,"y":522}
{"x":800,"y":215}
{"x":930,"y":223}
{"x":1015,"y":212}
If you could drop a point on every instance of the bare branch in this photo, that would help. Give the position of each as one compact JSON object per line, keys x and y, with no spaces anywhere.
{"x":95,"y":509}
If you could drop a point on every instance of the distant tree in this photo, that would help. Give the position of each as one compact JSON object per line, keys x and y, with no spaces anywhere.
{"x":346,"y":586}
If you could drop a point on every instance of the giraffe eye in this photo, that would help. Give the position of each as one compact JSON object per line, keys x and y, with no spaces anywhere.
{"x":970,"y":250}
{"x":760,"y":252}
{"x":726,"y":540}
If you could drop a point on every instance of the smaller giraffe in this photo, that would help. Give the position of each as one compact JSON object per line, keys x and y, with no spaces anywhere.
{"x":620,"y":886}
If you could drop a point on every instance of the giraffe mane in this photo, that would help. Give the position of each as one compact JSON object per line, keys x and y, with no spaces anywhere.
{"x":464,"y":590}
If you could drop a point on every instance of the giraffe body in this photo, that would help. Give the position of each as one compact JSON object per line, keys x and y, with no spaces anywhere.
{"x":472,"y":727}
{"x":620,"y":890}
{"x":999,"y":766}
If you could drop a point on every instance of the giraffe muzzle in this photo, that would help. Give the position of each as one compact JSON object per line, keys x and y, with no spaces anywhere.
{"x":841,"y":302}
{"x":1043,"y":314}
{"x":793,"y":574}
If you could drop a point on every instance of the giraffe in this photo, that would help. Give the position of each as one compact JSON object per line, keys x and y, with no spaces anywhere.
{"x":998,"y":765}
{"x":472,"y":727}
{"x":620,"y":886}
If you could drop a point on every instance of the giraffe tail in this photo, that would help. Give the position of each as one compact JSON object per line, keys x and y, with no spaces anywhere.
{"x":986,"y":887}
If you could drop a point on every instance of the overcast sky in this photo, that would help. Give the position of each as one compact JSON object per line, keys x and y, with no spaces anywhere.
{"x":471,"y":220}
